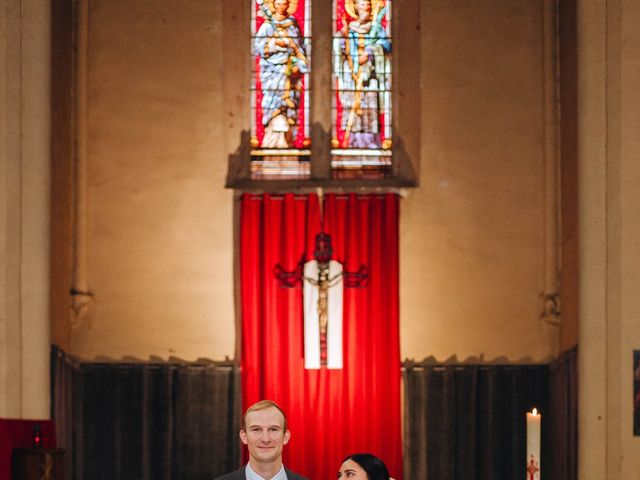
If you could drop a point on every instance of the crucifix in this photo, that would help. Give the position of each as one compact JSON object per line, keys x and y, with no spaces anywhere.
{"x":323,"y":280}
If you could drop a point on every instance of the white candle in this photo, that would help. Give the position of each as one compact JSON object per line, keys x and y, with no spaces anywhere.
{"x":533,"y":445}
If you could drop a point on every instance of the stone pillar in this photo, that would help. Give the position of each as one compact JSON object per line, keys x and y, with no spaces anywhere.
{"x":592,"y":141}
{"x":609,"y":199}
{"x":24,"y":205}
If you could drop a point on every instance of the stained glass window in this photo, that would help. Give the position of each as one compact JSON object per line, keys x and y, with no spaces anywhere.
{"x":280,"y":141}
{"x":361,"y":130}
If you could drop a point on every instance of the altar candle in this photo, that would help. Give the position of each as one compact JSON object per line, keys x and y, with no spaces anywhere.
{"x":533,"y":445}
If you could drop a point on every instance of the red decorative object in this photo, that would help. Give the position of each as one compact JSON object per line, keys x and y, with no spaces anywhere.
{"x":37,"y":436}
{"x":532,"y":468}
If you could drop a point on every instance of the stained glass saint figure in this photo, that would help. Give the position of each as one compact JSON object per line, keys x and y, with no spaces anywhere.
{"x":282,"y":65}
{"x":362,"y":70}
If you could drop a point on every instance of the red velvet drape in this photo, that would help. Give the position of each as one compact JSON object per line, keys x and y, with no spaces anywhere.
{"x":331,"y":413}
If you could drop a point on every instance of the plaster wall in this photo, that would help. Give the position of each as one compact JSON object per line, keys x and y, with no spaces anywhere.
{"x":472,"y":236}
{"x":160,"y":225}
{"x":158,"y":249}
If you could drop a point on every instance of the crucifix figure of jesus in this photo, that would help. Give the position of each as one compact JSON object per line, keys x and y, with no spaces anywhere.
{"x":323,"y":312}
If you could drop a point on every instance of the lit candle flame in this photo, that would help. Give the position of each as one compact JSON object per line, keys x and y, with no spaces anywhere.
{"x":534,"y":411}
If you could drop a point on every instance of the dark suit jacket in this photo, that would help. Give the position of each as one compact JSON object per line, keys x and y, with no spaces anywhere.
{"x":239,"y":475}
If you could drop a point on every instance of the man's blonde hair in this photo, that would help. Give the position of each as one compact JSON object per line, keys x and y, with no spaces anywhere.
{"x":263,"y":405}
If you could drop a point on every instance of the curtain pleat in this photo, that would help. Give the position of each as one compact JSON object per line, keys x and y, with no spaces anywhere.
{"x":63,"y":381}
{"x":147,"y":421}
{"x":416,"y":381}
{"x":206,"y":424}
{"x":468,"y":422}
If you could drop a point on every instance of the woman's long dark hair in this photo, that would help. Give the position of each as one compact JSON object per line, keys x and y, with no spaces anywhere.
{"x":375,"y":468}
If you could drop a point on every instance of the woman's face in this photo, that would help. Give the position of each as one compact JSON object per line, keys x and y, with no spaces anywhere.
{"x":364,"y":9}
{"x":350,"y":470}
{"x":281,"y":6}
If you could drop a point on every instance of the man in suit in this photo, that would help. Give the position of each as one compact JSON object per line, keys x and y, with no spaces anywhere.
{"x":264,"y":432}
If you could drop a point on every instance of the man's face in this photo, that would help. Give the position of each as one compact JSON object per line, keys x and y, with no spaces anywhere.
{"x":264,"y":434}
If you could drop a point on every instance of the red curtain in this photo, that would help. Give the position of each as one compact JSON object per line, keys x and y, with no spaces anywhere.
{"x":331,"y":413}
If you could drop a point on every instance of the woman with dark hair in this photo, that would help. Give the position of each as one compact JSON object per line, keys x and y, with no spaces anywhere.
{"x":363,"y":466}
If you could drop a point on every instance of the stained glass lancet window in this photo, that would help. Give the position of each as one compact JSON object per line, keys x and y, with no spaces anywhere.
{"x":361,"y":130}
{"x":280,"y":141}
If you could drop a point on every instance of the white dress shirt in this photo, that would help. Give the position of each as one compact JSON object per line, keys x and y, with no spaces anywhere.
{"x":252,"y":475}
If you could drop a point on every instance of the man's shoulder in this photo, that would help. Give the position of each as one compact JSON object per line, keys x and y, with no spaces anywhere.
{"x":237,"y":475}
{"x":293,"y":475}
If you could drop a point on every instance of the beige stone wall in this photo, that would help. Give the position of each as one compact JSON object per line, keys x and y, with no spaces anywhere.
{"x":608,"y":67}
{"x":472,"y":235}
{"x":627,"y":237}
{"x":158,"y":242}
{"x":24,"y":208}
{"x":157,"y":245}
